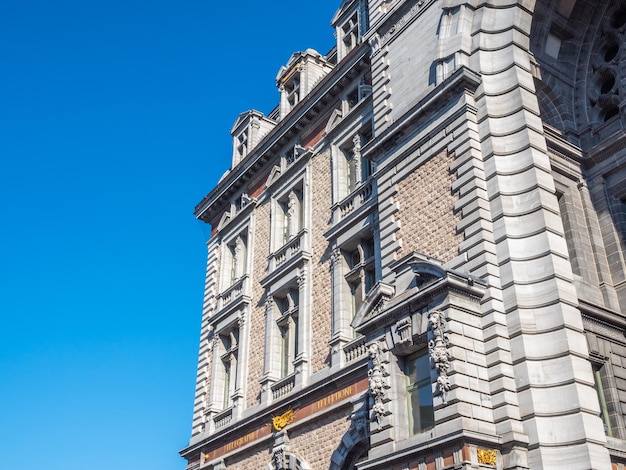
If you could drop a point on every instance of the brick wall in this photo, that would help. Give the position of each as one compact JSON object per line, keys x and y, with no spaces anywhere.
{"x":256,"y":356}
{"x":426,"y":216}
{"x":252,"y":459}
{"x":326,"y":434}
{"x":321,"y":281}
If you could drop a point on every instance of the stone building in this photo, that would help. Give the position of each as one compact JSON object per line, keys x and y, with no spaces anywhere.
{"x":417,"y":258}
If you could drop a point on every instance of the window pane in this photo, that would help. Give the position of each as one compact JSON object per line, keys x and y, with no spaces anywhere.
{"x":419,"y":390}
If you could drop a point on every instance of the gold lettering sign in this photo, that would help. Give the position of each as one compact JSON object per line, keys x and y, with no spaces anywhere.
{"x":487,"y":456}
{"x":335,"y":397}
{"x":279,"y":422}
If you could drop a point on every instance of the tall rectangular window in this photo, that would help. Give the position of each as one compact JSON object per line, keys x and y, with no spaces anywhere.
{"x":419,"y":392}
{"x":350,"y":33}
{"x":361,"y":276}
{"x":287,"y":305}
{"x":230,"y":346}
{"x":236,"y":259}
{"x":291,"y":215}
{"x":353,"y":167}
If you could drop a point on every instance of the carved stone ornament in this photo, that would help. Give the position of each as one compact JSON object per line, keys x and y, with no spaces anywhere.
{"x":376,"y":382}
{"x":439,"y":353}
{"x":359,"y":422}
{"x":269,"y":305}
{"x":278,"y":459}
{"x":211,"y":338}
{"x":404,"y":330}
{"x":335,"y":257}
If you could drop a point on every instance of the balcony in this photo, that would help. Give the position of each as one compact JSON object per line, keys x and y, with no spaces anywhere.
{"x":355,"y":349}
{"x":235,"y":292}
{"x":283,"y":386}
{"x":356,"y":199}
{"x":289,"y":250}
{"x":223,"y":419}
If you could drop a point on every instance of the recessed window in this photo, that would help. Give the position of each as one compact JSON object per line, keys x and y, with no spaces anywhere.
{"x":288,"y":327}
{"x":290,"y":216}
{"x":361,"y":276}
{"x":419,"y":392}
{"x":236,"y":254}
{"x":350,"y":33}
{"x":229,"y":340}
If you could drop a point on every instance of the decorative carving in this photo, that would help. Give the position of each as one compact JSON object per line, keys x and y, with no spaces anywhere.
{"x":269,"y":305}
{"x":404,"y":330}
{"x":359,"y":422}
{"x":335,"y":257}
{"x":356,"y":149}
{"x":279,"y":422}
{"x":212,"y":339}
{"x":278,"y":459}
{"x":375,"y":43}
{"x":438,"y":350}
{"x":301,"y":280}
{"x":376,"y":381}
{"x":487,"y":456}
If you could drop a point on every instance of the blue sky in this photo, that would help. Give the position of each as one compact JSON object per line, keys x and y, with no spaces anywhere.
{"x":114,"y":123}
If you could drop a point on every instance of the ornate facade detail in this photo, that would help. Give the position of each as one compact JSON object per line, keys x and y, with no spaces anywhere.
{"x":335,"y":257}
{"x":301,"y":280}
{"x":438,"y":350}
{"x":376,"y":381}
{"x":211,"y":338}
{"x":241,"y":319}
{"x":356,"y":142}
{"x":487,"y":456}
{"x":359,"y":422}
{"x":269,"y":305}
{"x":292,"y":214}
{"x":278,"y":459}
{"x":279,"y":422}
{"x":404,"y":330}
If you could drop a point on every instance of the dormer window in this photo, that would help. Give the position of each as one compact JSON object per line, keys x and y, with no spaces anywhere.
{"x":242,"y":145}
{"x":248,"y":130}
{"x":298,"y":77}
{"x":350,"y":22}
{"x":292,"y":89}
{"x":350,"y":33}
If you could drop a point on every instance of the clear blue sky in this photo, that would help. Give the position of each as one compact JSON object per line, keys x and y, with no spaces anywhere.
{"x":114,"y":123}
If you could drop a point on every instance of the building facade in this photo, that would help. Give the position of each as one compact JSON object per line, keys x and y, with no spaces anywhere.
{"x":417,"y":258}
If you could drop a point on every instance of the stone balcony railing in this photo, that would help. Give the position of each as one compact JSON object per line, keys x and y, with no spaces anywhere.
{"x":223,"y":419}
{"x":353,"y":201}
{"x":235,"y":291}
{"x":355,"y":349}
{"x":290,"y":249}
{"x":283,"y":386}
